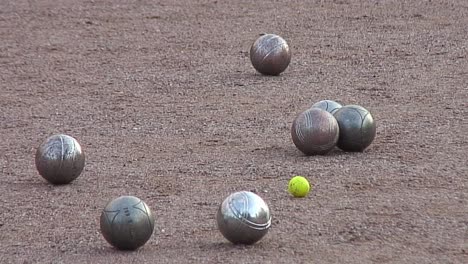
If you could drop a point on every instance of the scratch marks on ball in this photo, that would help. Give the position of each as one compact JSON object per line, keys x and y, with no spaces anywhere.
{"x":270,"y":54}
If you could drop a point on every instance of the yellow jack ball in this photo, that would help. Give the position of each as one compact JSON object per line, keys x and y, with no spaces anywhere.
{"x":299,"y":186}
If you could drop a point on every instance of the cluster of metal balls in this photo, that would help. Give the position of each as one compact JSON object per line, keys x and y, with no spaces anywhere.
{"x":127,"y":222}
{"x":327,"y":124}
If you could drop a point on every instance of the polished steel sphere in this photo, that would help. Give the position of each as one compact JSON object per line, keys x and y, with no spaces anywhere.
{"x":357,"y":128}
{"x":315,"y":132}
{"x":270,"y":54}
{"x":328,"y":105}
{"x":59,"y":159}
{"x":243,"y":218}
{"x":127,"y":223}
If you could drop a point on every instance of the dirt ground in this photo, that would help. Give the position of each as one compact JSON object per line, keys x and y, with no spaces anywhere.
{"x":167,"y":107}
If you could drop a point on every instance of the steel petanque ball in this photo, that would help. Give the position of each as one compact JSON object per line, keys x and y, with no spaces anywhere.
{"x":243,"y":218}
{"x":127,"y":223}
{"x":357,"y":128}
{"x":328,"y":105}
{"x":270,"y":54}
{"x":59,"y":159}
{"x":315,"y":132}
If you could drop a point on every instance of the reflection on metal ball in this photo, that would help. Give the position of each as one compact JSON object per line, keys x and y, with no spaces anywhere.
{"x":357,"y":128}
{"x":328,"y":105}
{"x":127,"y":223}
{"x":270,"y":54}
{"x":59,"y":159}
{"x":243,"y":218}
{"x":315,"y":132}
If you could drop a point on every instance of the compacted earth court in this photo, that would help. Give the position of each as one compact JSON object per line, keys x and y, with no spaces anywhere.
{"x":167,"y":107}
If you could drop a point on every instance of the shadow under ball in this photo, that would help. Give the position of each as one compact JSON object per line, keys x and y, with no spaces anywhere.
{"x":127,"y":223}
{"x":59,"y":159}
{"x":315,"y":132}
{"x":270,"y":54}
{"x":243,"y":218}
{"x":328,"y":105}
{"x":357,"y":128}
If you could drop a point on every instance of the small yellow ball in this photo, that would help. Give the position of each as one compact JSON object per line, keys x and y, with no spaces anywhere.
{"x":298,"y":186}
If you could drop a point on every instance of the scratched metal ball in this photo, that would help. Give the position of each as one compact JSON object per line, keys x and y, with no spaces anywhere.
{"x":243,"y":218}
{"x":127,"y":223}
{"x":270,"y":54}
{"x":315,"y":132}
{"x":328,"y":105}
{"x":357,"y":128}
{"x":59,"y":159}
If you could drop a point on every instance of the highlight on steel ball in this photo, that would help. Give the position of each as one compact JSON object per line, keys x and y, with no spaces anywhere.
{"x":243,"y":218}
